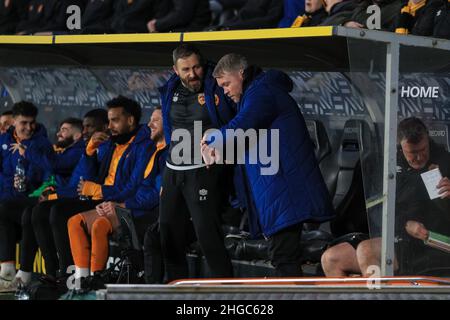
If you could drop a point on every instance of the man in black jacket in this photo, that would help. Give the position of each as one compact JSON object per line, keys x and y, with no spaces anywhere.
{"x":191,"y":191}
{"x":388,"y":14}
{"x":338,"y":11}
{"x":132,"y":16}
{"x":417,"y":17}
{"x":11,"y":12}
{"x":442,"y":22}
{"x":181,"y":15}
{"x":97,"y":16}
{"x":256,"y":14}
{"x":33,"y":18}
{"x":416,"y":213}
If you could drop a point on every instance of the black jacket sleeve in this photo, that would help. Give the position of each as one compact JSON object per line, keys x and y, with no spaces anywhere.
{"x":424,"y":23}
{"x":180,"y":15}
{"x":442,"y":22}
{"x":232,"y":4}
{"x":269,"y":20}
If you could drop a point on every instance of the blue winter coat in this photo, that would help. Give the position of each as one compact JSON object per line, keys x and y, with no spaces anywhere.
{"x":38,"y":143}
{"x":59,"y":164}
{"x":129,"y":174}
{"x":146,"y":196}
{"x":68,"y":189}
{"x":296,"y":192}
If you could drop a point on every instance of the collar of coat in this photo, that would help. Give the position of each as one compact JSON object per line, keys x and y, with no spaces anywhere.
{"x":411,"y":8}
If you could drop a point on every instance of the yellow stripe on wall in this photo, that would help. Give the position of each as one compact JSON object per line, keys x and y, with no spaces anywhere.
{"x":173,"y":37}
{"x":118,"y":38}
{"x":26,"y":39}
{"x":259,"y":34}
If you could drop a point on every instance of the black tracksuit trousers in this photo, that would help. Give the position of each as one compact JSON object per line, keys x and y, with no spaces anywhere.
{"x":12,"y":218}
{"x":49,"y":219}
{"x":192,"y":194}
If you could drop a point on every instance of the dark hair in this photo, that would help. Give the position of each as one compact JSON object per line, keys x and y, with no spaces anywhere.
{"x":100,"y":117}
{"x":74,"y":122}
{"x":412,"y":129}
{"x":24,"y":108}
{"x":185,"y":50}
{"x":7,"y":113}
{"x":130,"y":107}
{"x":157,"y":108}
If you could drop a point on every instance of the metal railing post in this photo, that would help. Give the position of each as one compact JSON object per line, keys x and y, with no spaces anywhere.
{"x":390,"y":160}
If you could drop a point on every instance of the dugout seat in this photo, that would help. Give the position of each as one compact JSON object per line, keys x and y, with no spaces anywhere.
{"x":343,"y":176}
{"x":319,"y":137}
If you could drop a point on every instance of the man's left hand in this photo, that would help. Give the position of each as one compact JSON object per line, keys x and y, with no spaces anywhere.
{"x":416,"y":229}
{"x":109,"y":209}
{"x":18,"y":147}
{"x":444,"y":188}
{"x":208,"y":154}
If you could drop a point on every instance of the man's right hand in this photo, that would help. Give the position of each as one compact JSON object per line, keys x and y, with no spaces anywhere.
{"x":444,"y":188}
{"x":151,"y":26}
{"x":100,"y":208}
{"x":417,"y":230}
{"x":208,"y":154}
{"x":353,"y":24}
{"x":108,"y":209}
{"x":44,"y":195}
{"x":98,"y":138}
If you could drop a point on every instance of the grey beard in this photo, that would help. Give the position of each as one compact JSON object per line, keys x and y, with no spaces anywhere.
{"x":190,"y":88}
